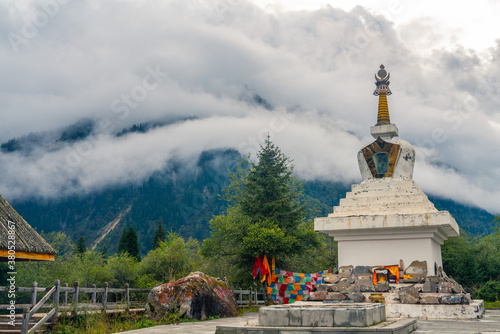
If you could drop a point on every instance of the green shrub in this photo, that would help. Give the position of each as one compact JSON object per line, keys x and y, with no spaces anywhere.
{"x":489,"y":292}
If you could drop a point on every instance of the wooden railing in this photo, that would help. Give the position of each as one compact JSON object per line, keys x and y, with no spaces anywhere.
{"x":59,"y":295}
{"x":58,"y":291}
{"x":249,"y":297}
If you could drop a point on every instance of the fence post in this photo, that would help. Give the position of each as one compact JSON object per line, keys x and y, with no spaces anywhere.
{"x":94,"y":294}
{"x":33,"y":294}
{"x":105,"y":296}
{"x":26,"y":321}
{"x":57,"y":284}
{"x":250,"y":297}
{"x":65,"y":294}
{"x":76,"y":295}
{"x":127,"y":294}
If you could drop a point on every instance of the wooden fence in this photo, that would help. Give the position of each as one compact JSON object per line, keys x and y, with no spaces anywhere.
{"x":58,"y":292}
{"x":57,"y":299}
{"x":249,"y":297}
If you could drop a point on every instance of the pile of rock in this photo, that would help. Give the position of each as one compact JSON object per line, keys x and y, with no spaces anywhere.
{"x":354,"y":284}
{"x":434,"y":290}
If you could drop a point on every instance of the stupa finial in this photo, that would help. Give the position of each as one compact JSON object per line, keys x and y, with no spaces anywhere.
{"x":382,"y":90}
{"x":384,"y":128}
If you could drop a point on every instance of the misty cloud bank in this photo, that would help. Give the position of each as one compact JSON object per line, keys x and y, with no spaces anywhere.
{"x":121,"y":63}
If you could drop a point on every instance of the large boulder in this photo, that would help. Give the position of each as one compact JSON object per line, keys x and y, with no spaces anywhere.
{"x":196,"y":296}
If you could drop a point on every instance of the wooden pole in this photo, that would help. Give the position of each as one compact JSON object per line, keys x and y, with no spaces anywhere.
{"x":94,"y":294}
{"x":26,"y":321}
{"x":76,"y":295}
{"x":105,"y":296}
{"x":65,"y":294}
{"x":33,"y":294}
{"x":57,"y":284}
{"x":127,"y":295}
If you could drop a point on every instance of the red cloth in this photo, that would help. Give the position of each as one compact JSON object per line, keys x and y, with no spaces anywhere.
{"x":258,"y":265}
{"x":266,"y":267}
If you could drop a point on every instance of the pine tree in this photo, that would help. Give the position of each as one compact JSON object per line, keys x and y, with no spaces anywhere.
{"x":133,"y":243}
{"x":80,"y":246}
{"x":128,"y":242}
{"x":265,"y":214}
{"x":104,"y":251}
{"x":160,"y":235}
{"x":123,"y":243}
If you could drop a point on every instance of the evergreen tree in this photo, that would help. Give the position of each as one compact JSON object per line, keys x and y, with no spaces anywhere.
{"x":160,"y":235}
{"x":133,"y":243}
{"x":80,"y":246}
{"x":123,"y":243}
{"x":265,"y":215}
{"x":128,"y":242}
{"x":104,"y":251}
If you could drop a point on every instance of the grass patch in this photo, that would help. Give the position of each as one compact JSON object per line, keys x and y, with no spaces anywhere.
{"x":249,"y":309}
{"x":100,"y":323}
{"x":492,"y":305}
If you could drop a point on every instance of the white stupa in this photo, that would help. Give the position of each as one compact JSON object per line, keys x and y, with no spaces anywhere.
{"x":387,"y":217}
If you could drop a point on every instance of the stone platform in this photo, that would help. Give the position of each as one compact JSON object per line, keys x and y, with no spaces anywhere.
{"x":314,"y":314}
{"x":405,"y":326}
{"x":472,"y":311}
{"x":395,"y":309}
{"x":315,"y":317}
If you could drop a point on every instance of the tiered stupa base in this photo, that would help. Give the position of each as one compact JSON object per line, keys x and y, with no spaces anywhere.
{"x":383,"y":221}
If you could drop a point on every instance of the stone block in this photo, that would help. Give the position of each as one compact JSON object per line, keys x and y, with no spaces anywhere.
{"x":318,"y":295}
{"x":318,"y":317}
{"x":408,"y":295}
{"x":456,"y":288}
{"x":231,"y":330}
{"x":335,"y":296}
{"x":451,"y":299}
{"x":365,"y":282}
{"x":429,"y":298}
{"x":345,"y":271}
{"x":415,"y":272}
{"x":430,"y":284}
{"x":332,"y":278}
{"x":295,"y":317}
{"x":341,"y":286}
{"x":382,"y":287}
{"x":345,"y":317}
{"x":324,"y":287}
{"x":445,"y":287}
{"x":356,"y":297}
{"x":264,"y":331}
{"x":269,"y":316}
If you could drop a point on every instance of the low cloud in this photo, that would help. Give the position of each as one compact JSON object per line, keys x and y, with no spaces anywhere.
{"x":121,"y":63}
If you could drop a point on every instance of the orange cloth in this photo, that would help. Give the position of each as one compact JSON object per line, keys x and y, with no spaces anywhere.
{"x":394,"y":270}
{"x":268,"y":276}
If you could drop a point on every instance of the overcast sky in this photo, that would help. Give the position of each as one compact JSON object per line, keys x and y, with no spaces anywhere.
{"x":125,"y":62}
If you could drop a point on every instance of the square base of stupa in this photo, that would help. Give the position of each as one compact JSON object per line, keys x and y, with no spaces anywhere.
{"x":373,"y":240}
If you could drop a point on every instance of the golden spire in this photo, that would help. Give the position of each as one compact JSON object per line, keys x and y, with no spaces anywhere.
{"x":382,"y":91}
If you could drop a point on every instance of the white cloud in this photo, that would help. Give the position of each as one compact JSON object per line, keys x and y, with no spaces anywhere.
{"x":95,"y":60}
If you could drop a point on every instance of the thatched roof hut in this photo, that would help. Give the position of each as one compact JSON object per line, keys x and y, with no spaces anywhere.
{"x":29,"y":245}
